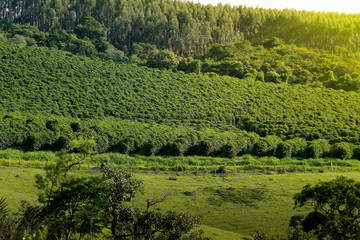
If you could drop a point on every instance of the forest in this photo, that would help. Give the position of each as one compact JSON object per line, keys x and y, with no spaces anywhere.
{"x":188,"y":28}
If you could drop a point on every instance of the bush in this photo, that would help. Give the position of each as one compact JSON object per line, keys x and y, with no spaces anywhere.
{"x":291,"y":147}
{"x":18,"y":40}
{"x":2,"y":38}
{"x":266,"y":145}
{"x":163,"y":59}
{"x":317,"y":148}
{"x":272,"y":76}
{"x":190,"y":65}
{"x":356,"y":153}
{"x":342,"y":150}
{"x":284,"y":149}
{"x":272,"y":42}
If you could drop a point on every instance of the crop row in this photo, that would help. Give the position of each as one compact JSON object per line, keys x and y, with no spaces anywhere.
{"x":43,"y":82}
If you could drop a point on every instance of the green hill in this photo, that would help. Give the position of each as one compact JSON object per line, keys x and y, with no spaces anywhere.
{"x":41,"y":82}
{"x":274,"y":61}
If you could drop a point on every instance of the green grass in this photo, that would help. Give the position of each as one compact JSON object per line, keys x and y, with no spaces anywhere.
{"x":183,"y":164}
{"x":225,"y":215}
{"x":18,"y":184}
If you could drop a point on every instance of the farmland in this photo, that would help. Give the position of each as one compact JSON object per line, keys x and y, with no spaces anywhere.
{"x":228,"y":205}
{"x":224,"y":112}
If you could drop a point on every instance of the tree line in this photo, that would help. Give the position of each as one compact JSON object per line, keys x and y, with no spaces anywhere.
{"x":187,"y":28}
{"x":58,"y":133}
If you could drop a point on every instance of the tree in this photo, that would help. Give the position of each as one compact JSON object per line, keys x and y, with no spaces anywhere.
{"x":335,"y":208}
{"x":84,"y":47}
{"x":272,"y":42}
{"x":84,"y":146}
{"x":163,"y":59}
{"x":317,"y":148}
{"x":272,"y":76}
{"x":342,"y":150}
{"x":90,"y":28}
{"x":83,"y":206}
{"x":266,"y":145}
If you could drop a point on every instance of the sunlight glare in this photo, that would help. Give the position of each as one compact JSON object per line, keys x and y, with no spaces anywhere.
{"x":347,"y":6}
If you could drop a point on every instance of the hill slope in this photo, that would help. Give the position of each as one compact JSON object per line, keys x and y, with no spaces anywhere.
{"x":41,"y":81}
{"x":129,"y":108}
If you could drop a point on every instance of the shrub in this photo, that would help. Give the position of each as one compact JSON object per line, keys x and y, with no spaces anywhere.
{"x":342,"y":150}
{"x":18,"y":40}
{"x":163,"y":59}
{"x":317,"y":148}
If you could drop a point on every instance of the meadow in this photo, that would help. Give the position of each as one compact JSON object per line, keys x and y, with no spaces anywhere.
{"x":230,"y":205}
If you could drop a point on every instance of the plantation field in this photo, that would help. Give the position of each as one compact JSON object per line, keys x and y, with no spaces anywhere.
{"x":229,"y":206}
{"x":50,"y":98}
{"x":43,"y":82}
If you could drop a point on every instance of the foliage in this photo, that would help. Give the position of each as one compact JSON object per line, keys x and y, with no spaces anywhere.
{"x":19,"y":40}
{"x":335,"y":208}
{"x":270,"y":60}
{"x":85,"y":205}
{"x":6,"y":223}
{"x":317,"y":148}
{"x":342,"y":150}
{"x":291,"y":147}
{"x":281,"y":63}
{"x":266,"y":145}
{"x":137,"y":109}
{"x":90,"y":28}
{"x":84,"y":146}
{"x":163,"y":59}
{"x":3,"y":207}
{"x":188,"y":28}
{"x":273,"y":42}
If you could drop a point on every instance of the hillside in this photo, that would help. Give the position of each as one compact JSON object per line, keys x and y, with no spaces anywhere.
{"x":270,"y":60}
{"x":225,"y":111}
{"x":274,"y":61}
{"x":38,"y":81}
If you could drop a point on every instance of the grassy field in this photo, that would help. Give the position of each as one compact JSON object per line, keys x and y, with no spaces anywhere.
{"x":230,"y":206}
{"x":182,"y":164}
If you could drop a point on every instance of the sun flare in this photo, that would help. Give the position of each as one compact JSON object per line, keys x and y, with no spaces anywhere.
{"x":347,"y":6}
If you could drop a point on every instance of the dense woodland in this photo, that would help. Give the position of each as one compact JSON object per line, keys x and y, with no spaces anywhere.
{"x":185,"y":27}
{"x":174,"y":113}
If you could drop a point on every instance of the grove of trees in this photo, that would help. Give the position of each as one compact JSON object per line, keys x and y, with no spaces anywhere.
{"x":83,"y":207}
{"x":187,"y":28}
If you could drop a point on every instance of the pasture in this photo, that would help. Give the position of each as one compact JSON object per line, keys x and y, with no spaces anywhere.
{"x":230,"y":206}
